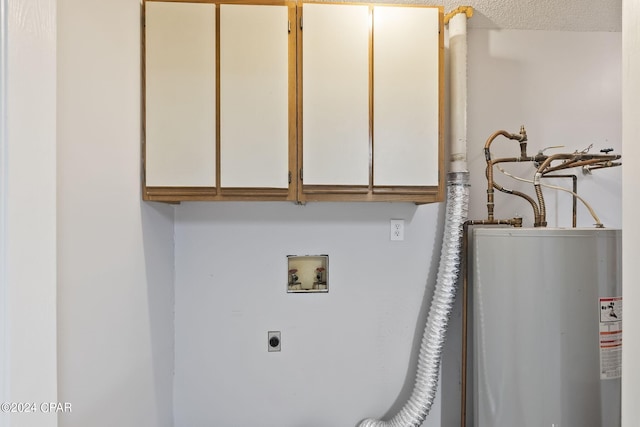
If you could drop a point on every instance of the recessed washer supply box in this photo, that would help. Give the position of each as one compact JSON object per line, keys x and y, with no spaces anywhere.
{"x":307,"y":273}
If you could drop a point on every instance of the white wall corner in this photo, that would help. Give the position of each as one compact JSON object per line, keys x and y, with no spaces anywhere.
{"x":28,"y":198}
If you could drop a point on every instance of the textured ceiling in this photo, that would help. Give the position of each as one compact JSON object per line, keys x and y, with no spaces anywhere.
{"x":561,"y":15}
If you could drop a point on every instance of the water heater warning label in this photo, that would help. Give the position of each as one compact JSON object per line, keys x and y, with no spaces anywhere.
{"x":610,"y":337}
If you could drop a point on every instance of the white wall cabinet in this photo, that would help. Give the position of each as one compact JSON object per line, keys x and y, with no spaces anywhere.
{"x":219,"y":101}
{"x":180,"y":94}
{"x":406,"y":93}
{"x":254,"y":99}
{"x":293,"y":101}
{"x":371,"y":103}
{"x":335,"y":94}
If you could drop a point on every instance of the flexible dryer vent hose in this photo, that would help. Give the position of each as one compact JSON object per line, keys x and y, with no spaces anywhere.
{"x":414,"y":412}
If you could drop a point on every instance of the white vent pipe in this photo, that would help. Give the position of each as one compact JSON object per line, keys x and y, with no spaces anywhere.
{"x":458,"y":87}
{"x":416,"y":409}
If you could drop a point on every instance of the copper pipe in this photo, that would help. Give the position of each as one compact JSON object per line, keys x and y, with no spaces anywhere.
{"x":612,"y":165}
{"x":600,"y":164}
{"x":522,"y":138}
{"x":491,"y":163}
{"x":465,"y":299}
{"x":572,"y":160}
{"x":574,"y":221}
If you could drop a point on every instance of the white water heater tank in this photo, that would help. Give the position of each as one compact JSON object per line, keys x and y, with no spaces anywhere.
{"x":547,"y":327}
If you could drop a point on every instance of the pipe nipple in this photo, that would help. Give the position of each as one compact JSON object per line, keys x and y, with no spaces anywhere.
{"x":523,"y":134}
{"x":523,"y":149}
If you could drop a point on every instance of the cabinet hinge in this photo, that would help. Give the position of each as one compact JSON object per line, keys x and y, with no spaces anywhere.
{"x":289,"y":26}
{"x":301,"y":22}
{"x":289,"y":177}
{"x":301,"y":175}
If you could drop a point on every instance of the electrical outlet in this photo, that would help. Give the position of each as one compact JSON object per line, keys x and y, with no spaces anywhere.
{"x":273,"y":341}
{"x":397,"y":229}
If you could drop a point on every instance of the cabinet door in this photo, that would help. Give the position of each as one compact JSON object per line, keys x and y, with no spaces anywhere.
{"x":254,"y":96}
{"x":180,"y":93}
{"x":335,"y":94}
{"x":371,"y":103}
{"x":406,"y":89}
